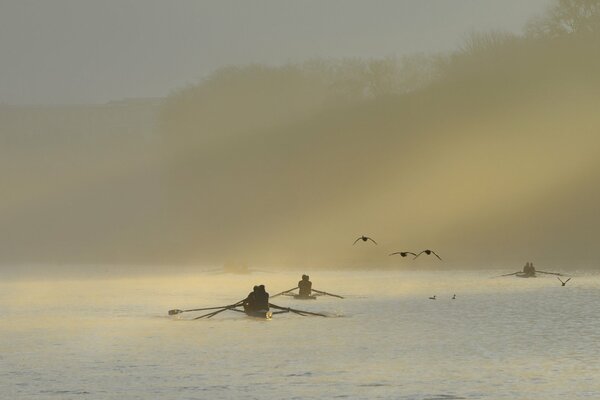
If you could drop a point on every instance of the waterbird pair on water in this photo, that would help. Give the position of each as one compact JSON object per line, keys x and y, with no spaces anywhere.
{"x":434,"y":297}
{"x":402,"y":253}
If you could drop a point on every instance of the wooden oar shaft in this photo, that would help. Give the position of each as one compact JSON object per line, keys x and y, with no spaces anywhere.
{"x":514,"y":273}
{"x":327,"y":294}
{"x":196,"y":309}
{"x":284,"y":292}
{"x":296,"y":311}
{"x":221,"y":309}
{"x":549,"y":273}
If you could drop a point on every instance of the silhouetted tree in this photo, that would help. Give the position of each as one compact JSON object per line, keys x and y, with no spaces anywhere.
{"x":567,"y":17}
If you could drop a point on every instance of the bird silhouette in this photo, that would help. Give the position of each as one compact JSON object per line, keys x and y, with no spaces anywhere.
{"x":563,"y":283}
{"x":428,"y":252}
{"x":454,"y":297}
{"x":403,"y":253}
{"x":432,"y":298}
{"x":364,"y":239}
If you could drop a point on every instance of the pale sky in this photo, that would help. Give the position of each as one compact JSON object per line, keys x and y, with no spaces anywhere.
{"x":84,"y":51}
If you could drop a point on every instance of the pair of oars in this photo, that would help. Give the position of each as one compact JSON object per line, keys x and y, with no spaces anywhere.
{"x":299,"y":312}
{"x":284,"y":292}
{"x":220,"y":309}
{"x":536,"y":271}
{"x":314,"y":290}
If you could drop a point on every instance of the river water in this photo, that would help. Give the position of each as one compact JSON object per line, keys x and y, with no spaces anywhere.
{"x":503,"y":338}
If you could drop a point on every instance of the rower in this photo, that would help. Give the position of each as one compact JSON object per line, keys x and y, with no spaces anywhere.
{"x":304,"y":287}
{"x":250,"y":301}
{"x":262,"y":298}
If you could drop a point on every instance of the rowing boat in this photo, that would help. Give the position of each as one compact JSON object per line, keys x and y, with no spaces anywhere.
{"x":261,"y":314}
{"x":523,"y":275}
{"x":304,"y":297}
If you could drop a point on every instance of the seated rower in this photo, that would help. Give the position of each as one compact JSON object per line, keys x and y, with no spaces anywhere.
{"x":250,"y":301}
{"x":261,"y":298}
{"x":304,"y":286}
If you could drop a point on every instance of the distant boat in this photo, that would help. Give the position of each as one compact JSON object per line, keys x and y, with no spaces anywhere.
{"x":526,"y":275}
{"x":236,"y":268}
{"x":529,"y":271}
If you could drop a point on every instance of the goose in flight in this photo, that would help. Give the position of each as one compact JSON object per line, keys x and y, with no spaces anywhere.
{"x":428,"y":252}
{"x":403,"y":253}
{"x":364,"y":239}
{"x":561,"y":281}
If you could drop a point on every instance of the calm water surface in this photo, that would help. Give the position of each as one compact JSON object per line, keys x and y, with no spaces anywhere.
{"x":505,"y":338}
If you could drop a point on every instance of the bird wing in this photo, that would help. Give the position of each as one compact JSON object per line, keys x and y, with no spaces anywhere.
{"x":419,"y":254}
{"x":356,"y":241}
{"x":434,"y":253}
{"x":372,"y":240}
{"x":410,"y":252}
{"x":391,"y":254}
{"x":560,"y":280}
{"x":567,"y":280}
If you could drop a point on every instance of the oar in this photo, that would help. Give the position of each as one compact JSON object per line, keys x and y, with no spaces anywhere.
{"x":549,"y":273}
{"x":301,"y":312}
{"x":284,"y":292}
{"x":209,"y":315}
{"x":327,"y":294}
{"x":175,"y":312}
{"x":514,"y":273}
{"x":212,"y":314}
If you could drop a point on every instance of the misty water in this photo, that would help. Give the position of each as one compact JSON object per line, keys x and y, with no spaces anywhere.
{"x":503,"y":338}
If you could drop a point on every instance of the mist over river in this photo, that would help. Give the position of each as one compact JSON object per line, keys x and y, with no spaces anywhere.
{"x":502,"y":338}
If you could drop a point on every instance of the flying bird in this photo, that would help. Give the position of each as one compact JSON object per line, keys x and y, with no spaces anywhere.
{"x":563,"y":283}
{"x":364,"y":239}
{"x":454,"y":297}
{"x":428,"y":252}
{"x":403,"y":253}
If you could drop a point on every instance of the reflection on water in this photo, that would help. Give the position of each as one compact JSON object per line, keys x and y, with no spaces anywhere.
{"x":501,"y":338}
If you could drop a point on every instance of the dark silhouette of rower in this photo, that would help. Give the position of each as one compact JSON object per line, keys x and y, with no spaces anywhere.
{"x":261,"y":298}
{"x":364,"y":239}
{"x":529,"y":269}
{"x":250,"y":301}
{"x":304,"y":286}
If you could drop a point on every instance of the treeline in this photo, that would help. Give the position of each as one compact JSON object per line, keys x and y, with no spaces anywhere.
{"x":279,"y":163}
{"x":488,"y":154}
{"x":241,"y":100}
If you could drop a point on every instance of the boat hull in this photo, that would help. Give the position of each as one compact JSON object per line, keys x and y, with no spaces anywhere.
{"x":261,"y":314}
{"x":298,"y":297}
{"x":525,"y":275}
